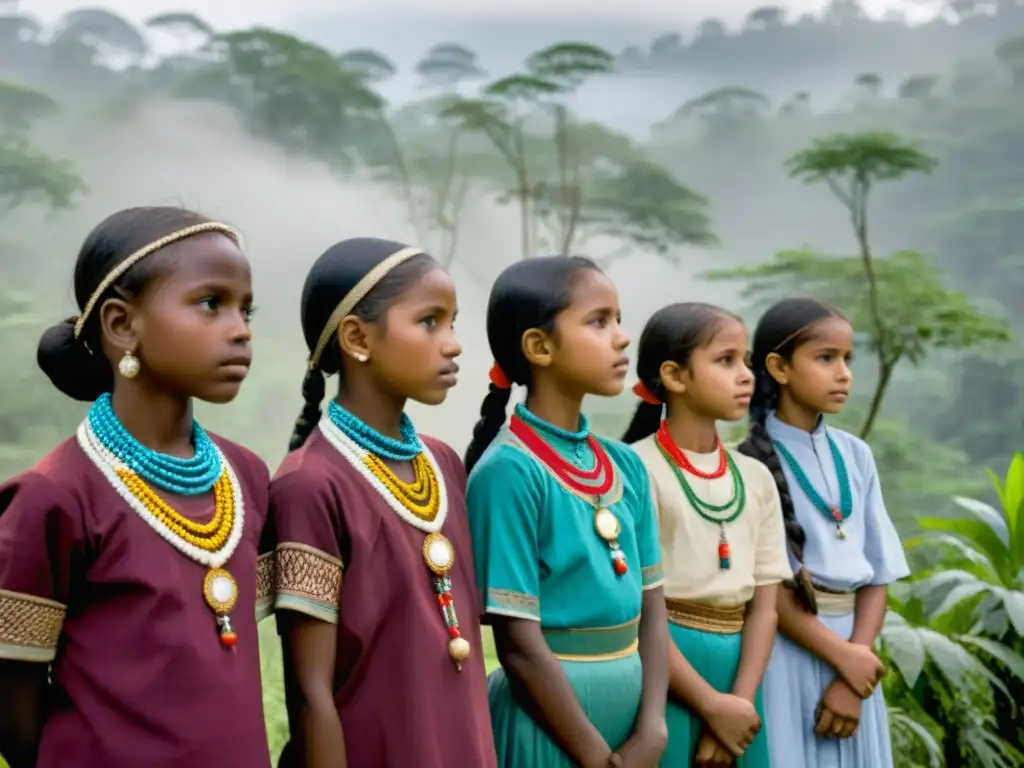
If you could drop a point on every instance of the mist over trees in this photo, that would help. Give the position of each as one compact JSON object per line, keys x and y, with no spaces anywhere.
{"x":897,"y":195}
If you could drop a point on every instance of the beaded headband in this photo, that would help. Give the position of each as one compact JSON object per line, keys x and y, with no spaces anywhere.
{"x":357,"y":294}
{"x":116,"y":273}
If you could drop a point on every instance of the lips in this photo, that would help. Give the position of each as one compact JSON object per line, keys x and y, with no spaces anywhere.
{"x":239,"y":361}
{"x":622,"y":364}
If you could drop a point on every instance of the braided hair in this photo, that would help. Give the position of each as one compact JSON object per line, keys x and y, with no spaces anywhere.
{"x":529,"y":294}
{"x":782,"y":329}
{"x":672,"y":333}
{"x":330,"y":279}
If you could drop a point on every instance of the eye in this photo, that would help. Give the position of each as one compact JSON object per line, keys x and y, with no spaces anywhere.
{"x":248,"y":313}
{"x":599,"y":322}
{"x":212,"y":303}
{"x":849,"y":358}
{"x":826,"y":357}
{"x":430,"y":321}
{"x":725,"y":359}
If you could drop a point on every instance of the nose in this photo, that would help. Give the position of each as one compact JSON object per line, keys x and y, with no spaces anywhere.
{"x":451,"y":348}
{"x":241,"y":331}
{"x":845,"y":374}
{"x":621,"y":340}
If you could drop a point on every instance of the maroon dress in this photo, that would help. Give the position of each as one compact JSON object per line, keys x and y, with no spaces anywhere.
{"x":140,"y":679}
{"x":344,"y":556}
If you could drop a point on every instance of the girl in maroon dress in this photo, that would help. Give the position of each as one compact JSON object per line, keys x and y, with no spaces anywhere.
{"x":374,"y":554}
{"x":129,"y":583}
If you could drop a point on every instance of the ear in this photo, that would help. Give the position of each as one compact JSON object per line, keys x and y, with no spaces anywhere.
{"x":118,"y":325}
{"x":538,"y":347}
{"x":777,"y":368}
{"x":674,"y":377}
{"x":354,"y":339}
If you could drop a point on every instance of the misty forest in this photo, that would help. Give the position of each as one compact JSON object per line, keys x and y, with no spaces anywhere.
{"x":871,"y":163}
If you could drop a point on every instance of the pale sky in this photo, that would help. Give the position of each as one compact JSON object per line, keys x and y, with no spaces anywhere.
{"x":226,"y":14}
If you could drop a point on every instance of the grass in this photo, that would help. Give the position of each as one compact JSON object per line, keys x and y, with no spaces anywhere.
{"x":273,"y":686}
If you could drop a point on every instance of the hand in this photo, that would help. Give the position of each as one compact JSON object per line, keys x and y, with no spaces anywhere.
{"x":615,"y":761}
{"x":860,"y":668}
{"x":711,"y":753}
{"x":838,"y":711}
{"x":645,"y":747}
{"x":733,"y":721}
{"x":605,"y":759}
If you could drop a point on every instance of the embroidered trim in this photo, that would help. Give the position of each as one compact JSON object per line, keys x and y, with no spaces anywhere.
{"x":29,"y":627}
{"x":265,"y":570}
{"x":652,"y":576}
{"x":510,"y":603}
{"x":704,"y":617}
{"x":307,"y":581}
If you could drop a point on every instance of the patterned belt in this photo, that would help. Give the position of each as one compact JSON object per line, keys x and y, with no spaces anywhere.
{"x":593,"y":643}
{"x":833,"y":602}
{"x":705,"y":618}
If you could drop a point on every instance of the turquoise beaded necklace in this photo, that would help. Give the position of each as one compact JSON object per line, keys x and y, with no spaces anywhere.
{"x":369,"y":439}
{"x":184,"y":477}
{"x":574,"y":441}
{"x":837,"y":515}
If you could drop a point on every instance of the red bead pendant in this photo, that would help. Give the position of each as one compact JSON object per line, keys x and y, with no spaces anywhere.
{"x":228,"y":639}
{"x":454,"y":632}
{"x":619,"y":564}
{"x":837,"y":515}
{"x":723,"y":550}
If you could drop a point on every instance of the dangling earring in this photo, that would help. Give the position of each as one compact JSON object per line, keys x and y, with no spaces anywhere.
{"x":129,"y":365}
{"x":361,"y":357}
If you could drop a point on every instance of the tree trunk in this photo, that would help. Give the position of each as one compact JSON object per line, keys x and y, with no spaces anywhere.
{"x":885,"y":371}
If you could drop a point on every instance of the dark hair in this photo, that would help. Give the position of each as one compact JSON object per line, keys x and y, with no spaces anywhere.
{"x":528,"y":294}
{"x":78,"y":367}
{"x":782,"y":329}
{"x":329,"y":281}
{"x":672,"y":333}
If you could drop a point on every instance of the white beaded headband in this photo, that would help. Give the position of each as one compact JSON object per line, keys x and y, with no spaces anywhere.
{"x":116,"y":273}
{"x":357,"y":294}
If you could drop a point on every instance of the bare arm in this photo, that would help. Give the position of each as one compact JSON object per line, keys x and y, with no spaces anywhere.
{"x":869,"y":614}
{"x":804,"y":629}
{"x":22,"y":711}
{"x":686,"y":684}
{"x":309,"y":651}
{"x":759,"y":627}
{"x":654,"y":648}
{"x":534,"y":671}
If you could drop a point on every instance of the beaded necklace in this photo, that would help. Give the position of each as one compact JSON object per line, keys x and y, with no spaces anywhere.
{"x":423,"y":504}
{"x":406,"y":449}
{"x":183,"y":477}
{"x":589,"y":485}
{"x":210,"y":544}
{"x":718,"y":514}
{"x":835,"y":514}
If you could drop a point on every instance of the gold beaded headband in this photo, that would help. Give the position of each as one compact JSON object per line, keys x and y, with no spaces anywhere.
{"x":357,"y":294}
{"x":116,"y":273}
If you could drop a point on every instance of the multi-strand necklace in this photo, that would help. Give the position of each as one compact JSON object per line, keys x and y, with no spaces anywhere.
{"x":134,"y":471}
{"x":596,"y":486}
{"x":835,"y":513}
{"x":423,"y":503}
{"x":718,"y":514}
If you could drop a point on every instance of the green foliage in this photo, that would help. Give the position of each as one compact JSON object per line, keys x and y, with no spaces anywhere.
{"x":859,"y":160}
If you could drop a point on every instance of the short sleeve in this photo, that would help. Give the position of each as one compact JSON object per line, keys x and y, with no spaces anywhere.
{"x":40,"y":537}
{"x":882,"y":546}
{"x":308,"y":528}
{"x":771,"y":558}
{"x":503,"y":499}
{"x":647,"y":539}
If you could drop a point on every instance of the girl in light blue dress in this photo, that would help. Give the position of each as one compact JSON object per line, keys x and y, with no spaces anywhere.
{"x":823,"y":706}
{"x":564,"y":534}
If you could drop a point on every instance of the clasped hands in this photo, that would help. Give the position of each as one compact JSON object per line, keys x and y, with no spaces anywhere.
{"x":860,"y":671}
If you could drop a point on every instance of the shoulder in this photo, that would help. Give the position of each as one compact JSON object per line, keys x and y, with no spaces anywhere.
{"x":853,"y":446}
{"x":55,"y":483}
{"x":449,"y":461}
{"x":625,"y":457}
{"x":752,"y":470}
{"x":647,"y":450}
{"x":244,"y":461}
{"x":504,"y":465}
{"x":308,"y":473}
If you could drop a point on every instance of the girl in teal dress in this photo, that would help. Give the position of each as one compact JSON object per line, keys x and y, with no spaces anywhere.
{"x":564,"y":534}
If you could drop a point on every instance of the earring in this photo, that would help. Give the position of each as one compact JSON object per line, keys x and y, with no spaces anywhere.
{"x":361,"y":357}
{"x":129,"y":365}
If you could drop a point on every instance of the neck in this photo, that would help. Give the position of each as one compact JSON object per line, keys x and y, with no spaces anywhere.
{"x":161,"y":422}
{"x":691,"y":431}
{"x":555,"y":407}
{"x":796,"y":415}
{"x":379,"y":410}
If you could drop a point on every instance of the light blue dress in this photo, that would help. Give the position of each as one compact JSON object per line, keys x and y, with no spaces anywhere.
{"x":539,"y":558}
{"x":871,"y":554}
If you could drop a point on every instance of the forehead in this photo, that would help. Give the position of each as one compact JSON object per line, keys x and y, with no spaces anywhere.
{"x":592,"y":290}
{"x":729,"y":333}
{"x":831,"y":333}
{"x":209,"y":257}
{"x":433,"y":287}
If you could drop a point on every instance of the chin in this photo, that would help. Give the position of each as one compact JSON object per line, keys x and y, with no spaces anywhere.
{"x":611,"y":388}
{"x":221,"y":394}
{"x":432,"y":398}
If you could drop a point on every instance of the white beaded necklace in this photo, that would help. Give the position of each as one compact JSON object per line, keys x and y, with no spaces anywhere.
{"x":107,"y":464}
{"x":355,"y":454}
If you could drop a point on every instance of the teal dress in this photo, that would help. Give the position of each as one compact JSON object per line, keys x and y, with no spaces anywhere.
{"x":539,"y":558}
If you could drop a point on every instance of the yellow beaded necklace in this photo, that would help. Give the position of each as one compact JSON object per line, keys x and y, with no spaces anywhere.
{"x":421,"y":497}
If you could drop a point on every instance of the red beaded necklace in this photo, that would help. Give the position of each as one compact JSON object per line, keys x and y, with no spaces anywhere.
{"x":679,"y":457}
{"x":579,"y":480}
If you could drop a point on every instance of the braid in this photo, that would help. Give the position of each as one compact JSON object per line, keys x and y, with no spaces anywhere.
{"x":645,"y":422}
{"x":758,"y":445}
{"x":492,"y":419}
{"x":313,"y":389}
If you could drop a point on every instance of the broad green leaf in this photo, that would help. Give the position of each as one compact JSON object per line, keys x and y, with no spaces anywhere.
{"x":979,"y":534}
{"x":987,"y":515}
{"x":954,"y":661}
{"x":1013,"y":602}
{"x":1006,"y":656}
{"x":899,"y":719}
{"x":905,"y":647}
{"x":959,"y":594}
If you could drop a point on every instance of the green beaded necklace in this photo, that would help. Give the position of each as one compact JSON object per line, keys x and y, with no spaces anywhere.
{"x":719,"y":514}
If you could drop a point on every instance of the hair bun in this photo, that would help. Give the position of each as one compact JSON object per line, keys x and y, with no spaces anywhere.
{"x":70,"y":366}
